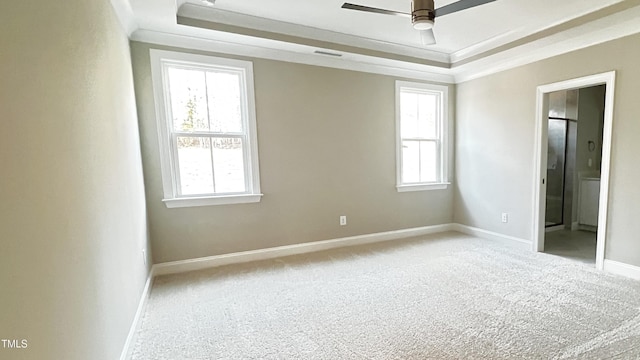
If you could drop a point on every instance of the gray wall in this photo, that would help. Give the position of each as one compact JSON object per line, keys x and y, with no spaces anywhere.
{"x":590,"y":122}
{"x":496,"y":135}
{"x":327,"y":148}
{"x":72,"y":215}
{"x":590,"y":127}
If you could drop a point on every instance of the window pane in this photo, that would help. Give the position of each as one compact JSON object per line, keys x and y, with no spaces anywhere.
{"x":427,"y":115}
{"x":188,"y":93}
{"x":409,"y":114}
{"x":428,"y":161}
{"x":224,"y":101}
{"x":194,"y":158}
{"x":228,"y":160}
{"x":410,"y":162}
{"x":418,"y":115}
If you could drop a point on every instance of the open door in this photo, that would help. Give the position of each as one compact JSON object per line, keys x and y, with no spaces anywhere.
{"x":541,"y":157}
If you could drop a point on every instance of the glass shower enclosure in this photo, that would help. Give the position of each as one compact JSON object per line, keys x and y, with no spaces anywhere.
{"x":556,"y":161}
{"x":563,"y":115}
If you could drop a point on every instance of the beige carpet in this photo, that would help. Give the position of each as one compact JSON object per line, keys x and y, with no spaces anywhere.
{"x":448,"y":296}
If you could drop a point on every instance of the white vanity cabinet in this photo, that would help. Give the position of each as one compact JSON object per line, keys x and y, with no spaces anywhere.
{"x":589,"y":200}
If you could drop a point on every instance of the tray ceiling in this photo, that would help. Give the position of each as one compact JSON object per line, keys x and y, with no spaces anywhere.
{"x":504,"y":31}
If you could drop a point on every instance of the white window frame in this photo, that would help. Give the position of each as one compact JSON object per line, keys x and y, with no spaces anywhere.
{"x":443,"y":138}
{"x":160,"y":61}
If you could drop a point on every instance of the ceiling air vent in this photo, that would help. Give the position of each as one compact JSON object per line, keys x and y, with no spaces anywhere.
{"x":327,"y":53}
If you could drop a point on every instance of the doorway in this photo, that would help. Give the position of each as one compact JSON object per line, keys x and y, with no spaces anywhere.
{"x":572,"y":179}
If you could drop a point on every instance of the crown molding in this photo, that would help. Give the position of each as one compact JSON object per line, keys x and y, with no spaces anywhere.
{"x":270,"y":39}
{"x":278,"y":37}
{"x":533,"y":32}
{"x":298,"y":54}
{"x":615,"y":26}
{"x":125,"y":15}
{"x":214,"y":19}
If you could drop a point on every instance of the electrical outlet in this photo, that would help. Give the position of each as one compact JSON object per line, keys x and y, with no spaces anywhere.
{"x":343,"y":220}
{"x":505,"y":217}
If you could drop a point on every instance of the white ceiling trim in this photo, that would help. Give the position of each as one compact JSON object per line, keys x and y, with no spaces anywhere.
{"x":597,"y":32}
{"x":299,"y":54}
{"x":125,"y":15}
{"x":209,"y":14}
{"x":608,"y":28}
{"x":514,"y":35}
{"x":484,"y":46}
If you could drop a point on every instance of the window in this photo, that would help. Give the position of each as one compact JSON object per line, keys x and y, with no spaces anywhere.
{"x":206,"y":129}
{"x":421,"y":131}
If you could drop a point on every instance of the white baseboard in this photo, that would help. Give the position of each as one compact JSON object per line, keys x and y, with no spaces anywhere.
{"x":623,"y":269}
{"x":588,"y":228}
{"x":554,"y":228}
{"x":263,"y":254}
{"x":280,"y":251}
{"x":127,"y":348}
{"x":574,"y":226}
{"x":486,"y":234}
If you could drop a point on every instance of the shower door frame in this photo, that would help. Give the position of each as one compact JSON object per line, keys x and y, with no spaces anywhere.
{"x":564,"y":170}
{"x":540,"y":157}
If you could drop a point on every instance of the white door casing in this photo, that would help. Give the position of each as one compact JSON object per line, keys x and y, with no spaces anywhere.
{"x":540,"y":157}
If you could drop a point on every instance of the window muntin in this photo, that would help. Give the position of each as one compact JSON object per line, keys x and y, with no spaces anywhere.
{"x":206,"y":128}
{"x":421,"y":136}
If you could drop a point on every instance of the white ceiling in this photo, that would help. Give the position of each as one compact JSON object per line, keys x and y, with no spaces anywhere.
{"x":454,"y":32}
{"x":299,"y":27}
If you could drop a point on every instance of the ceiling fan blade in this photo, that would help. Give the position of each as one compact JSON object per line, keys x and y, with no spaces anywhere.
{"x":373,"y":10}
{"x":459,"y":6}
{"x":427,"y":37}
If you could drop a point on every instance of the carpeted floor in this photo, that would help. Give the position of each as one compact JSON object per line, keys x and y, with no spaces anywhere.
{"x":447,"y":296}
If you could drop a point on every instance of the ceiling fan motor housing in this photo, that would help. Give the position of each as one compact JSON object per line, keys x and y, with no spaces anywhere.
{"x":422,"y":14}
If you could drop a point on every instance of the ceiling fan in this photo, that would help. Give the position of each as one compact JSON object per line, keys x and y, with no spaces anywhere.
{"x":423,"y":14}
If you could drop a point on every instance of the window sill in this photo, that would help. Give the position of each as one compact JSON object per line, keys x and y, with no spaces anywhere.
{"x":212,"y":200}
{"x":423,"y":187}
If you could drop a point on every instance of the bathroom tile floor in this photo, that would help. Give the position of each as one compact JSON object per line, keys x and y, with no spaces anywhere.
{"x":577,"y":245}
